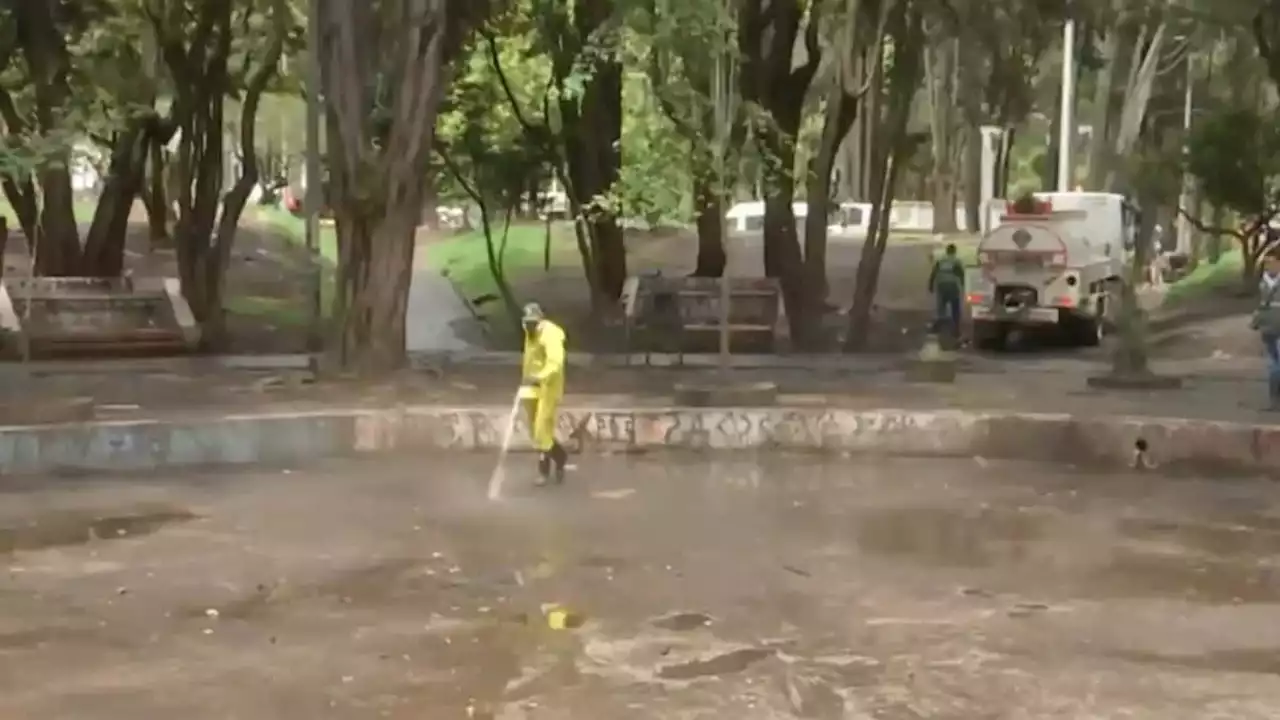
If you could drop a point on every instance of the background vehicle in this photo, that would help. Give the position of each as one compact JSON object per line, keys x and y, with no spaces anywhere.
{"x":1056,"y":263}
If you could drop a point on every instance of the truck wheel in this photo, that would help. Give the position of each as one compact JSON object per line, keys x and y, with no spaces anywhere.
{"x":1088,"y":330}
{"x":989,"y":335}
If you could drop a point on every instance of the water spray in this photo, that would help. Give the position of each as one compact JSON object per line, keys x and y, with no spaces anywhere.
{"x":498,"y":476}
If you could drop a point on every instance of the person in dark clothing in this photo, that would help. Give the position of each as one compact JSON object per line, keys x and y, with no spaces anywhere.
{"x":946,"y":283}
{"x":1266,"y":321}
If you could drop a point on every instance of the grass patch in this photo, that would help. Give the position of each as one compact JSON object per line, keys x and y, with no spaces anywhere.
{"x":464,"y":258}
{"x":281,"y":312}
{"x":1222,"y":276}
{"x":83,"y":210}
{"x":289,"y":312}
{"x":295,"y":229}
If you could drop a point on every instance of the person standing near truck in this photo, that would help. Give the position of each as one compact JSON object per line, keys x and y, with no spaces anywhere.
{"x":946,"y":284}
{"x":1266,"y":321}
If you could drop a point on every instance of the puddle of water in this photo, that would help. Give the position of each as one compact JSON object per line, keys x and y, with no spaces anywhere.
{"x":954,"y":537}
{"x":683,"y":622}
{"x":1223,"y":540}
{"x":1263,"y":661}
{"x":734,"y":661}
{"x":1136,"y":573}
{"x":62,"y":529}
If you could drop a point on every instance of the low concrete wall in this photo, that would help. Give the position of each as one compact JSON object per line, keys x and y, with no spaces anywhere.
{"x":1173,"y":444}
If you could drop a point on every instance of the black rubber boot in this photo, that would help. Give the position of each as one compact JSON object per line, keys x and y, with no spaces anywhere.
{"x":1273,"y":387}
{"x":544,"y":469}
{"x":560,"y":457}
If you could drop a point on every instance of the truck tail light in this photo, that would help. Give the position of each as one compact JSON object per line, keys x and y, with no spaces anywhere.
{"x":1064,"y":301}
{"x":976,"y":299}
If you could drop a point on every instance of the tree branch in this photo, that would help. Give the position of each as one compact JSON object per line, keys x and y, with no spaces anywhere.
{"x":491,"y":45}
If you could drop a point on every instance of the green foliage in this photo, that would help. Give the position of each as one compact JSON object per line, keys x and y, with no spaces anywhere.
{"x":654,"y":182}
{"x":1235,"y":155}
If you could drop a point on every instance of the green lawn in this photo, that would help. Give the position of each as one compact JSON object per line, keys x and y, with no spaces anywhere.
{"x":464,"y":258}
{"x":295,"y":229}
{"x":83,"y":210}
{"x":1207,"y":279}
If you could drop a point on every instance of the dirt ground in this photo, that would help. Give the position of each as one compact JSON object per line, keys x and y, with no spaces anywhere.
{"x":771,"y":588}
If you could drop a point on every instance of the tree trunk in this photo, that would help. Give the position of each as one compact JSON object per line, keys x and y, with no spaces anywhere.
{"x":57,"y":238}
{"x":157,"y":198}
{"x":361,"y":44}
{"x":375,"y":269}
{"x":1101,"y":140}
{"x":1213,"y":246}
{"x":892,"y":145}
{"x":197,"y":211}
{"x":1049,"y":168}
{"x":105,"y":243}
{"x":710,"y":223}
{"x":770,"y":78}
{"x":1130,"y":357}
{"x":942,"y":73}
{"x":21,"y":195}
{"x":233,"y":204}
{"x":592,"y":133}
{"x":841,"y":110}
{"x":1004,"y":162}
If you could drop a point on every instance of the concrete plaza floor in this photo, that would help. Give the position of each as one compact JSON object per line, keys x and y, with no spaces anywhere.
{"x":775,"y":587}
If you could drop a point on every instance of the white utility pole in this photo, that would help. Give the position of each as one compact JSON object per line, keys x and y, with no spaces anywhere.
{"x":1067,"y":125}
{"x":1188,"y":184}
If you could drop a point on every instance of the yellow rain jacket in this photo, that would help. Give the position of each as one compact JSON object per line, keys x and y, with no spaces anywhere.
{"x":544,"y":361}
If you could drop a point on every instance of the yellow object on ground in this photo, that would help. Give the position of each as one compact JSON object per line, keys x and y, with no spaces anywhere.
{"x":544,"y":362}
{"x":557,"y":619}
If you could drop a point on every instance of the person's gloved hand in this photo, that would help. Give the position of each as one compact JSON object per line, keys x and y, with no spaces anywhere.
{"x":529,"y":381}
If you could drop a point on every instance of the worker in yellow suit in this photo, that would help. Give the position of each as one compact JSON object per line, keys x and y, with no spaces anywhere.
{"x":542,"y":389}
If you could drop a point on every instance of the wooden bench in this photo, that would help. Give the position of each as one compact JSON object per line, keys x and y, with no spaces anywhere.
{"x":679,"y":315}
{"x":53,"y":317}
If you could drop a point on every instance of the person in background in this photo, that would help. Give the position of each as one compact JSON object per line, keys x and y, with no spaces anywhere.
{"x":946,"y":283}
{"x":542,"y":388}
{"x":1266,"y":320}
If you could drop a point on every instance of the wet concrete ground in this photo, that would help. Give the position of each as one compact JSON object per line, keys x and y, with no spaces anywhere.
{"x":790,"y":588}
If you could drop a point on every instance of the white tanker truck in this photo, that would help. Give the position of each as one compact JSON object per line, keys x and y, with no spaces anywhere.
{"x":1057,"y":261}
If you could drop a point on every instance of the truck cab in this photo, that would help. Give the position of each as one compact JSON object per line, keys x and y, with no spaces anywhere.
{"x":1053,"y":261}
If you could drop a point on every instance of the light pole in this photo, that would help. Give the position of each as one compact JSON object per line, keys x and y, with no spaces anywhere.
{"x":315,"y":188}
{"x":1185,"y":230}
{"x":1066,"y":129}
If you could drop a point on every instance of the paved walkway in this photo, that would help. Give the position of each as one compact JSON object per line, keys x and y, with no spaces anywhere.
{"x":790,"y":588}
{"x":1218,"y":390}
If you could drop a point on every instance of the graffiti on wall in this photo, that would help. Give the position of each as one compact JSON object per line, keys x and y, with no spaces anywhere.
{"x":696,"y":429}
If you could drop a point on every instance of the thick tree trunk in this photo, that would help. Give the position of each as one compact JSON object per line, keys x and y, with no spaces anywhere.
{"x":942,"y":73}
{"x":105,"y":243}
{"x":592,"y":133}
{"x":891,"y":148}
{"x":363,"y":43}
{"x":770,"y":78}
{"x":57,"y":238}
{"x":198,"y":208}
{"x":375,"y":268}
{"x":710,"y":224}
{"x":21,"y":195}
